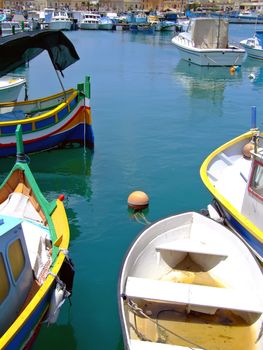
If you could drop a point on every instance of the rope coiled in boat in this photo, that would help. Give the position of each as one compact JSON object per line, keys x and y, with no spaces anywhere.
{"x":137,"y":310}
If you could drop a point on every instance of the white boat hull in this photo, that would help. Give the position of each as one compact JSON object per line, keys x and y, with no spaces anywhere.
{"x":187,"y":282}
{"x":229,"y":176}
{"x":209,"y":57}
{"x":105,"y":26}
{"x":10,"y":88}
{"x":89,"y":26}
{"x":60,"y":25}
{"x":169,"y":28}
{"x":253,"y":52}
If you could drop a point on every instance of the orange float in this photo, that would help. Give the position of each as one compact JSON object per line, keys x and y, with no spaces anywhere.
{"x":138,"y":200}
{"x":247,"y":150}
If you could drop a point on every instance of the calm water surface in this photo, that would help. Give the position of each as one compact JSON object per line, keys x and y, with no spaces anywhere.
{"x":155,"y":119}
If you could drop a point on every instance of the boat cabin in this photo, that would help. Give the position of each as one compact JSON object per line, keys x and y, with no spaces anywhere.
{"x":15,"y":270}
{"x":24,"y":253}
{"x":208,"y":33}
{"x":253,"y":198}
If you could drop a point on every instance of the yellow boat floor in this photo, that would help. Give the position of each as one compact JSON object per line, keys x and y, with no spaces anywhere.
{"x":222,"y":331}
{"x":171,"y":324}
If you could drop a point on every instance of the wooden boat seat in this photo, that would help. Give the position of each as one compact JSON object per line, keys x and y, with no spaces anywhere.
{"x":20,"y":205}
{"x":191,"y":246}
{"x":191,"y":294}
{"x":147,"y":345}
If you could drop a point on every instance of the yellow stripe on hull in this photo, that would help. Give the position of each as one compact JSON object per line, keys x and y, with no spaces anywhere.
{"x":245,"y":222}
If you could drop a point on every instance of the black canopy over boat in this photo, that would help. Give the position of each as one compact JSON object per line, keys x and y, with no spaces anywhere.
{"x":18,"y":49}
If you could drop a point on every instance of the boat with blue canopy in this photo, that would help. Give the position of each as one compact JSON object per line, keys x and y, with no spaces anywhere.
{"x":54,"y":121}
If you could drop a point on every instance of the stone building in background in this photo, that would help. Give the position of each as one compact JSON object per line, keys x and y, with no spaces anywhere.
{"x":114,"y":5}
{"x":126,"y":5}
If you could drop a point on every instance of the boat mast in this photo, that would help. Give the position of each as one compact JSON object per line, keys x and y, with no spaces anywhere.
{"x":60,"y":81}
{"x":218,"y":32}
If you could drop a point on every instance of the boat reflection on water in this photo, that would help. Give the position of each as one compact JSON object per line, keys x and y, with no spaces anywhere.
{"x":205,"y":82}
{"x":253,"y":70}
{"x":69,"y":173}
{"x":47,"y":340}
{"x":159,"y":39}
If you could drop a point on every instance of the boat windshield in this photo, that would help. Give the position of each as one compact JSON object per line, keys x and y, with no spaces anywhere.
{"x":259,"y":36}
{"x":256,"y":180}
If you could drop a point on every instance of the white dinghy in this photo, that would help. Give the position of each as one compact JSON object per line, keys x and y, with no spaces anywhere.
{"x":188,"y":282}
{"x":10,"y":87}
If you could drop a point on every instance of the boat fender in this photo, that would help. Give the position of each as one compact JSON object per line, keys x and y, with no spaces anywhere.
{"x":213,"y":213}
{"x":247,"y":149}
{"x":67,"y":273}
{"x":232,"y":70}
{"x":57,"y":300}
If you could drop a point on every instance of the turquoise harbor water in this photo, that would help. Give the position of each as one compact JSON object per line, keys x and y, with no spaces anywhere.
{"x":155,"y":119}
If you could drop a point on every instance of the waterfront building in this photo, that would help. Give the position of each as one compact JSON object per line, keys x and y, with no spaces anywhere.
{"x":129,"y":5}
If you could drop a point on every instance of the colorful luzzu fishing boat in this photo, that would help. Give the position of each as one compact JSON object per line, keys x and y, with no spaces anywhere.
{"x":233,"y":174}
{"x":35,"y":270}
{"x":49,"y":122}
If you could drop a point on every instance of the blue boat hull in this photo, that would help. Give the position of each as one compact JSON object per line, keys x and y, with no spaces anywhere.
{"x":77,"y":135}
{"x":25,"y":336}
{"x":250,"y":240}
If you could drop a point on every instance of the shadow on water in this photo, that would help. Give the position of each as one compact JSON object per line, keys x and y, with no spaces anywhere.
{"x":50,"y":337}
{"x":120,"y":345}
{"x":203,"y":82}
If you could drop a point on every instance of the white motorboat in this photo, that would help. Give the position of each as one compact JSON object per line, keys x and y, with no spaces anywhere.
{"x":183,"y":24}
{"x":168,"y":26}
{"x":206,"y":43}
{"x":9,"y":27}
{"x":187,"y":282}
{"x":253,"y":46}
{"x":60,"y":21}
{"x":105,"y":23}
{"x":90,"y":20}
{"x":10,"y":87}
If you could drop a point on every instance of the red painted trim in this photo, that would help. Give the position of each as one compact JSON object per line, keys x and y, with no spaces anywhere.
{"x":47,"y":135}
{"x":250,"y":189}
{"x":32,"y":339}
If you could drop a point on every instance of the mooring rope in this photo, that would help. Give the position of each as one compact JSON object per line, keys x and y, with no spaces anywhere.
{"x":260,"y":333}
{"x":84,"y":124}
{"x":134,"y":307}
{"x":140,"y":218}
